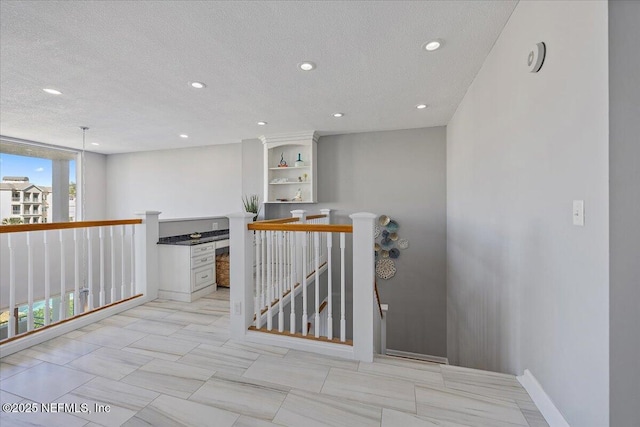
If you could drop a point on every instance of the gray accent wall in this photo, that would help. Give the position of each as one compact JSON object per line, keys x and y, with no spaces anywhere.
{"x":402,"y":174}
{"x":526,"y":289}
{"x":624,"y":211}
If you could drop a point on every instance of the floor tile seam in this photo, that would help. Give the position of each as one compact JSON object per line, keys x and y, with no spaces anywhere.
{"x":487,"y":396}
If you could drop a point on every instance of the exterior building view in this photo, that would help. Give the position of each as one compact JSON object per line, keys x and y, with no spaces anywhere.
{"x":427,"y":213}
{"x":22,"y":202}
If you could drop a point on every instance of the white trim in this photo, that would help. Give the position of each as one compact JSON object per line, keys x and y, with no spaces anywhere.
{"x":56,"y":331}
{"x":319,"y":347}
{"x":286,"y":138}
{"x":418,"y":356}
{"x":542,"y":400}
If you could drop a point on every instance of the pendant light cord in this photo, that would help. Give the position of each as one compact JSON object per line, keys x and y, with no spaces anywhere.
{"x":83,"y":186}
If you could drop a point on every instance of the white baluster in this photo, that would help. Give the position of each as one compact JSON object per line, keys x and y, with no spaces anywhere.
{"x":76,"y":270}
{"x":133,"y":260}
{"x":258,"y":294}
{"x":305,"y":317}
{"x":263,"y":266}
{"x":280,"y":281}
{"x":329,"y":286}
{"x":113,"y":265}
{"x":316,"y":245}
{"x":47,"y":280}
{"x":63,"y":279}
{"x":270,"y":276}
{"x":343,"y":321}
{"x":90,"y":268}
{"x":29,"y":282}
{"x":292,"y":315}
{"x":123,"y":292}
{"x":12,"y":290}
{"x":101,"y":240}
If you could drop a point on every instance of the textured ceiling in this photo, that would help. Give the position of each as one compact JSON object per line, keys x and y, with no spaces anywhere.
{"x":124,"y":68}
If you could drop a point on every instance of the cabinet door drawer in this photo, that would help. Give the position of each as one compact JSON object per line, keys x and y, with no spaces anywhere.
{"x":222,"y":243}
{"x":203,"y":277}
{"x":205,"y":248}
{"x":202,"y":260}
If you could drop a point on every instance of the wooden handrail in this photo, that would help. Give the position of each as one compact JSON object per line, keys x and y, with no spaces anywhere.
{"x":326,"y":228}
{"x":278,"y":221}
{"x":375,"y":287}
{"x":64,"y":225}
{"x":316,"y":216}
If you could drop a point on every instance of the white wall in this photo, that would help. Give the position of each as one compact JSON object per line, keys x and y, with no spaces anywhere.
{"x":183,"y":183}
{"x":526,"y":288}
{"x":96,"y":175}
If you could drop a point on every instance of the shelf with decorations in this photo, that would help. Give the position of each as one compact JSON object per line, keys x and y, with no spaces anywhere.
{"x":290,"y":167}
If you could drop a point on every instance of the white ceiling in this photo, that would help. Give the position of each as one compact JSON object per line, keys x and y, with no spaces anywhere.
{"x":124,"y":68}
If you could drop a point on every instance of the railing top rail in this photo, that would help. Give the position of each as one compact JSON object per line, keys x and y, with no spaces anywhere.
{"x":316,"y":216}
{"x":327,"y":228}
{"x":64,"y":225}
{"x":375,"y":287}
{"x":278,"y":221}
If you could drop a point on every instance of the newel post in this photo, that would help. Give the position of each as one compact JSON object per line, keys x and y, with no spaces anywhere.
{"x":363,"y":279}
{"x":146,"y":238}
{"x":327,"y":212}
{"x":240,"y":273}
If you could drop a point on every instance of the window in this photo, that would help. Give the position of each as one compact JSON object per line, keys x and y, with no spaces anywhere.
{"x":28,"y":171}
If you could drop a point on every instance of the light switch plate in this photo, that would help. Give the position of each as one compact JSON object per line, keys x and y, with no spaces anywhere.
{"x":237,"y":308}
{"x":578,"y":213}
{"x":214,"y":227}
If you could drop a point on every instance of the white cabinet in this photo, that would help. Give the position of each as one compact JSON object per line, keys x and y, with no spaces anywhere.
{"x":187,"y":272}
{"x":282,"y":183}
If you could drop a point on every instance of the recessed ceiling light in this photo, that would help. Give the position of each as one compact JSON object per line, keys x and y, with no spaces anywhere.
{"x":432,"y":45}
{"x":262,"y":123}
{"x":307,"y":66}
{"x":184,"y":135}
{"x":95,"y":143}
{"x":421,"y":106}
{"x":52,"y":91}
{"x":198,"y":85}
{"x":338,"y":114}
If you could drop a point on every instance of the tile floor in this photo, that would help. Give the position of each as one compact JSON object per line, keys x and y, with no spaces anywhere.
{"x":172,"y":364}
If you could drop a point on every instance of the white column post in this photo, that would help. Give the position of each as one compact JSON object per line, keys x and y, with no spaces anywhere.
{"x":363,"y":278}
{"x":146,"y":255}
{"x":241,"y":277}
{"x":327,"y":212}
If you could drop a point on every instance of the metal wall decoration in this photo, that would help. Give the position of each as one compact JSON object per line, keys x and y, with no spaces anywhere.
{"x":387,"y":246}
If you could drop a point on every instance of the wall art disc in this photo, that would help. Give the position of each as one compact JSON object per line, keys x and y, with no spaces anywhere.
{"x":383,"y":220}
{"x":394,"y":253}
{"x":385,"y":268}
{"x":403,"y":243}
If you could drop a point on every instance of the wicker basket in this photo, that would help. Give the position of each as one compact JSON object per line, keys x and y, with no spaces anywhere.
{"x":222,"y":270}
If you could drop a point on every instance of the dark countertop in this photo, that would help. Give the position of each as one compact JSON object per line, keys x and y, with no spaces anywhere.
{"x":185,"y":240}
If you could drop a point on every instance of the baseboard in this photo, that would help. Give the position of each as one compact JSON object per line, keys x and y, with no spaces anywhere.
{"x":63,"y":328}
{"x":418,"y":356}
{"x":542,"y":400}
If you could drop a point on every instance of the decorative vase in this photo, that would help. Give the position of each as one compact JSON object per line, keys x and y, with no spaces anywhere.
{"x":299,"y":163}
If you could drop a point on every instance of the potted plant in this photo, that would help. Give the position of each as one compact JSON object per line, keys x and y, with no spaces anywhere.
{"x":252,"y":204}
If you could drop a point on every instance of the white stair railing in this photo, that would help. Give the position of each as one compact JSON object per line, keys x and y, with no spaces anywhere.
{"x":294,"y":267}
{"x":51,"y":269}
